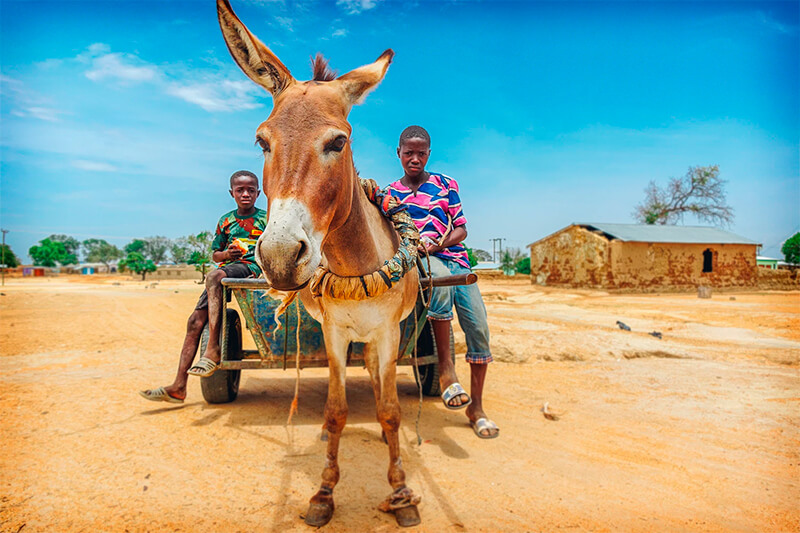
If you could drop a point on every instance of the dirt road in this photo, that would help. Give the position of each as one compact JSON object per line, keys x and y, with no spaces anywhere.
{"x":698,"y":431}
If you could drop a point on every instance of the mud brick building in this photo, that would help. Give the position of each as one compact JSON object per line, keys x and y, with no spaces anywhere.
{"x":638,"y":256}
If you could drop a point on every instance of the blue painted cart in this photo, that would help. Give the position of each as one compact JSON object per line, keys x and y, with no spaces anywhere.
{"x":276,"y":347}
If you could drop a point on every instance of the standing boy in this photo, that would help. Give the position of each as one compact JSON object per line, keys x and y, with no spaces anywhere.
{"x":234,"y":244}
{"x":435,"y":206}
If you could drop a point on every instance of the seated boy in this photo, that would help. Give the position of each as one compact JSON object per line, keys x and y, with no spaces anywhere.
{"x":435,"y":206}
{"x":244,"y":224}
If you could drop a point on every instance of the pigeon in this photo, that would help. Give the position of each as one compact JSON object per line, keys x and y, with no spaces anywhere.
{"x":623,"y":326}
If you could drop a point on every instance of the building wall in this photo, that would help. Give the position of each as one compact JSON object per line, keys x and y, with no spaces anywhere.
{"x":641,"y":265}
{"x":573,"y":256}
{"x":175,"y":272}
{"x":579,"y":258}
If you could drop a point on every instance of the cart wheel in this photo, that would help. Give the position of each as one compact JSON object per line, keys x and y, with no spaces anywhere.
{"x":429,"y":374}
{"x":223,"y":385}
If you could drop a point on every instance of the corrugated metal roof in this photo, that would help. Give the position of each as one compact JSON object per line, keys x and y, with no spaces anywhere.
{"x":673,"y":234}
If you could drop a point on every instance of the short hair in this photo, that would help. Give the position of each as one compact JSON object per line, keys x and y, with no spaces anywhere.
{"x":415,"y":132}
{"x":245,"y":173}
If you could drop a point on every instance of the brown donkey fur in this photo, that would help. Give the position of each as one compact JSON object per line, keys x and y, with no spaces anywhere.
{"x":319,"y":215}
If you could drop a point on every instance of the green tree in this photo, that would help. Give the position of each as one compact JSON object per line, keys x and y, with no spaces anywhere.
{"x":180,"y":250}
{"x":523,"y":265}
{"x":7,"y":257}
{"x":51,"y":253}
{"x":200,"y":246}
{"x":71,"y":244}
{"x":136,"y":262}
{"x":791,"y":249}
{"x":98,"y":250}
{"x":156,"y":248}
{"x":136,"y":245}
{"x":701,"y":192}
{"x":472,"y":259}
{"x":481,"y":255}
{"x":509,"y":259}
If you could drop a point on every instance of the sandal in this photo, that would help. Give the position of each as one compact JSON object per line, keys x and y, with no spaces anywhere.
{"x":451,"y":392}
{"x":203,"y":368}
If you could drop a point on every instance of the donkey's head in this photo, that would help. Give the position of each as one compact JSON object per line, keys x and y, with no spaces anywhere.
{"x":308,"y":165}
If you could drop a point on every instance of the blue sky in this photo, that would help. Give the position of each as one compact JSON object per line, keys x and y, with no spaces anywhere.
{"x":124,"y":119}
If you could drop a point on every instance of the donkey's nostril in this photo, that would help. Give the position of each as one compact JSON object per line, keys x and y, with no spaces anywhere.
{"x":301,"y":253}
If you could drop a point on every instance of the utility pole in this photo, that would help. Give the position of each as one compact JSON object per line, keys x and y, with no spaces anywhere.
{"x":499,"y":242}
{"x":3,"y":260}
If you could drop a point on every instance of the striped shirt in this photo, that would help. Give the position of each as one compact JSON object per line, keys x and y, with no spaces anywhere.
{"x":436,"y":210}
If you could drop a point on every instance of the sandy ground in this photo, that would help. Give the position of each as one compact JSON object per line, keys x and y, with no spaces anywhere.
{"x":699,"y":431}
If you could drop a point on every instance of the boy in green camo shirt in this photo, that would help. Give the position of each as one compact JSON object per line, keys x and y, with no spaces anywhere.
{"x":234,"y":250}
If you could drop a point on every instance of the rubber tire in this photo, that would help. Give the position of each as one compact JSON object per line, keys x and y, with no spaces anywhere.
{"x":223,"y":385}
{"x":429,"y":374}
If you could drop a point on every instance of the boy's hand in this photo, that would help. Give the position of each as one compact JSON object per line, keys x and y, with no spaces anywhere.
{"x":234,"y":252}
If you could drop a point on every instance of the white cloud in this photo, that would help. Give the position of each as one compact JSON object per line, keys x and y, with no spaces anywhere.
{"x":25,"y":102}
{"x":286,"y":23}
{"x":354,"y":7}
{"x":224,"y":95}
{"x":93,"y":166}
{"x":341,"y":32}
{"x":121,"y":67}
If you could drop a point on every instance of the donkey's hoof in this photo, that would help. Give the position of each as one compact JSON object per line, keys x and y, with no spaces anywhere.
{"x":407,"y":516}
{"x":319,"y":514}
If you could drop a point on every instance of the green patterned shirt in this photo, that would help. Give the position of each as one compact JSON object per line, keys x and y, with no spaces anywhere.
{"x":247,"y":229}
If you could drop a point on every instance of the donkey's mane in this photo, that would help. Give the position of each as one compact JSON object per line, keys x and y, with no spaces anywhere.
{"x":320,"y":69}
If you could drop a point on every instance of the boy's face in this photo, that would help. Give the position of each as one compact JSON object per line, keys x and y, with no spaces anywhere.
{"x":414,"y":154}
{"x":245,"y":191}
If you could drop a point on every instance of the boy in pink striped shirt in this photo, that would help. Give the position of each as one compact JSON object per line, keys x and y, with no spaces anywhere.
{"x":435,"y":206}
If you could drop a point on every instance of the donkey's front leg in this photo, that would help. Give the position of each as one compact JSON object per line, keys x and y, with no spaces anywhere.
{"x":402,"y":502}
{"x":320,"y":510}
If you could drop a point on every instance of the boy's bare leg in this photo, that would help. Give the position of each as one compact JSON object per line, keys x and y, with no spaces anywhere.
{"x":194,"y":330}
{"x":447,"y":369}
{"x":214,"y":291}
{"x":475,"y":409}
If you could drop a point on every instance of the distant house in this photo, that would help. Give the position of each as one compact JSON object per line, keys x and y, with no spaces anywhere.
{"x":768,"y":262}
{"x":641,"y":256}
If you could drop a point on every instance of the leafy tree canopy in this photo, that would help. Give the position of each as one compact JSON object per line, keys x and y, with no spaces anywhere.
{"x":701,"y":192}
{"x":100,"y":250}
{"x":156,"y":248}
{"x":71,"y":245}
{"x":481,"y":255}
{"x":523,"y":266}
{"x":136,"y":245}
{"x":200,"y":257}
{"x":136,"y":262}
{"x":510,"y":258}
{"x":472,"y":259}
{"x":791,"y":249}
{"x":51,"y":253}
{"x":7,"y":257}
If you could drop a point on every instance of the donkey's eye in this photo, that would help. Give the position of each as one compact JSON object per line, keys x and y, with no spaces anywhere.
{"x":263,"y":144}
{"x":336,"y":145}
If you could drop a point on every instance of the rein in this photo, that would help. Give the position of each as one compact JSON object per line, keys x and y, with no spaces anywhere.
{"x":324,"y":282}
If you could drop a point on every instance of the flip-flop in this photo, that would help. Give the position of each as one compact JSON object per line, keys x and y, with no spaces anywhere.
{"x":451,"y":392}
{"x":159,"y":395}
{"x":484,"y":424}
{"x":203,"y":368}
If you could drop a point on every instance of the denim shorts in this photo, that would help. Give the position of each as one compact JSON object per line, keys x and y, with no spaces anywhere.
{"x":469,"y":307}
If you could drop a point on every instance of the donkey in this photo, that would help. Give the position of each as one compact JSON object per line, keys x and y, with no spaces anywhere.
{"x":318,"y":214}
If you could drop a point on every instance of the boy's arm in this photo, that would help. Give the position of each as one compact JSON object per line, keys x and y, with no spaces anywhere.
{"x":231,"y":253}
{"x":456,"y":236}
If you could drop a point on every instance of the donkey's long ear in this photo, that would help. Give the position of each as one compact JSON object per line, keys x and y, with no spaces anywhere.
{"x":357,"y":83}
{"x":252,"y":56}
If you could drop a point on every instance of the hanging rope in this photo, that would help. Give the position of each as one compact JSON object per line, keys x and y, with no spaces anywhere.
{"x":293,"y":408}
{"x":325,"y":282}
